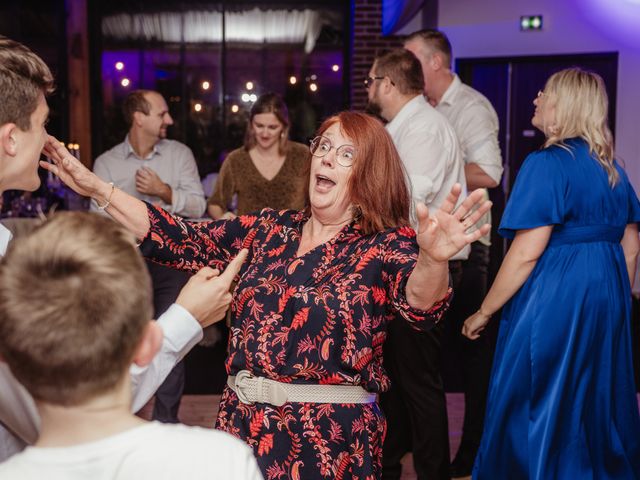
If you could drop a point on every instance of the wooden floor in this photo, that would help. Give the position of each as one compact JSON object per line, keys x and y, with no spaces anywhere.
{"x":201,"y":410}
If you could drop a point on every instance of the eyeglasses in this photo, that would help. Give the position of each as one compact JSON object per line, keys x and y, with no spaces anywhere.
{"x":320,"y":146}
{"x":368,"y":81}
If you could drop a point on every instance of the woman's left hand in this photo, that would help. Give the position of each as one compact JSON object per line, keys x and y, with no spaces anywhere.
{"x":443,"y":234}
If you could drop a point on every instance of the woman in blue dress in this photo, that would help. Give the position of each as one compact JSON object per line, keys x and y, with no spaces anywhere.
{"x":562,"y":402}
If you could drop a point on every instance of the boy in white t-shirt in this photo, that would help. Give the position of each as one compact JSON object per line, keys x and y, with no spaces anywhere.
{"x":75,"y":310}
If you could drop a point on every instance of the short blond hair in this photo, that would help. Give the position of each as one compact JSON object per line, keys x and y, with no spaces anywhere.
{"x":75,"y":297}
{"x":23,"y":78}
{"x":582,"y":109}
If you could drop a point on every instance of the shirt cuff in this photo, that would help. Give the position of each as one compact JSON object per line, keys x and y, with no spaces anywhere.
{"x":181,"y":330}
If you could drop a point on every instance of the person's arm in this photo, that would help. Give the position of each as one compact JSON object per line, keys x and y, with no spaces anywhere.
{"x":519,"y":262}
{"x":223,"y":190}
{"x":188,"y":196}
{"x":631,"y":248}
{"x":201,"y":302}
{"x":477,"y":177}
{"x":478,"y":136}
{"x":218,"y":213}
{"x":440,"y":235}
{"x":125,"y":209}
{"x":18,"y":411}
{"x":101,"y":170}
{"x":425,"y":159}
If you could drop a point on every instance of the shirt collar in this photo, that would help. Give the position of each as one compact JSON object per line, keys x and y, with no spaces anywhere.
{"x":449,"y":95}
{"x":128,"y":149}
{"x":405,"y":112}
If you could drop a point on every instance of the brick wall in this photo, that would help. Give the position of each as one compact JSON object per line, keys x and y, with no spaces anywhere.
{"x":367,"y":39}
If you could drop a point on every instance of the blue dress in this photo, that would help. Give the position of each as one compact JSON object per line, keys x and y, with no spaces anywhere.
{"x":562,"y":402}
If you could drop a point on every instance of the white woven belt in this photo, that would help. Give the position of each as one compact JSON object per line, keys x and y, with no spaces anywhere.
{"x":252,"y":389}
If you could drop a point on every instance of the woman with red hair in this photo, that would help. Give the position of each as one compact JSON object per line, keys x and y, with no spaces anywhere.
{"x":313,"y":299}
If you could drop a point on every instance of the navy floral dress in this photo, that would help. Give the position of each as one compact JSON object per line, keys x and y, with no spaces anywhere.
{"x":319,"y":319}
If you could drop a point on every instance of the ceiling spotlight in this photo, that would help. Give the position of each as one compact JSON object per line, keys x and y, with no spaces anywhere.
{"x":253,"y":97}
{"x":249,"y":85}
{"x":125,"y":82}
{"x":119,"y":65}
{"x":335,"y":67}
{"x":235,"y":108}
{"x":206,"y":85}
{"x":197,"y":107}
{"x":293,"y":80}
{"x":245,"y":97}
{"x":313,"y":87}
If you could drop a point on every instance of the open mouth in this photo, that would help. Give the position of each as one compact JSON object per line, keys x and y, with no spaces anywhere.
{"x":324,"y":182}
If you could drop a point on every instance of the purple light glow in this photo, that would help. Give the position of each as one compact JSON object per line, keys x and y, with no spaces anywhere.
{"x":617,"y":19}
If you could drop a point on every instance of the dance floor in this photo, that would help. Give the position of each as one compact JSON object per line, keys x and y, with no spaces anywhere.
{"x":201,"y":410}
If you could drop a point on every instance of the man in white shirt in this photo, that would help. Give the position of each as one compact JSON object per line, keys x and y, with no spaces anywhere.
{"x":476,"y":124}
{"x":149,"y":166}
{"x":71,"y":348}
{"x":415,"y":406}
{"x":163,"y":172}
{"x":24,"y":81}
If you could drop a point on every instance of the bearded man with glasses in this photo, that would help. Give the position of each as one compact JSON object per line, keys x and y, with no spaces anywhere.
{"x":416,"y":407}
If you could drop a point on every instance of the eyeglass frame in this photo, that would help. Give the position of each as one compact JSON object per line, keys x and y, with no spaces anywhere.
{"x":337,"y":156}
{"x":368,"y":80}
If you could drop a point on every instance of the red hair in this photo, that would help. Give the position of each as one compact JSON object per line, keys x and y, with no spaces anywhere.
{"x":378,"y":187}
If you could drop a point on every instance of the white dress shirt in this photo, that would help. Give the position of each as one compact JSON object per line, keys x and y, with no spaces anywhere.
{"x":174,"y":164}
{"x":19,"y":420}
{"x":476,"y":124}
{"x":430,"y":153}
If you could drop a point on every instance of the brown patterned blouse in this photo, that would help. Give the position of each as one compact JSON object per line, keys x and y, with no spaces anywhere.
{"x":239,"y":175}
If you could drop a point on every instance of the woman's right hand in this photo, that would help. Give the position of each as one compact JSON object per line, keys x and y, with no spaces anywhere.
{"x":72,"y":172}
{"x":475,"y":324}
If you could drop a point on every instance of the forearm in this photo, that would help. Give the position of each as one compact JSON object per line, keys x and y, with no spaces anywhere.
{"x":512,"y":275}
{"x":125,"y":209}
{"x":166,"y":194}
{"x":631,"y":247}
{"x":428,"y":283}
{"x":477,"y":178}
{"x":181,"y":333}
{"x":188,"y":204}
{"x":215,"y":211}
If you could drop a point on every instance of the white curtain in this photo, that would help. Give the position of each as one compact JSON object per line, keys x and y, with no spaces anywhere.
{"x":252,"y":26}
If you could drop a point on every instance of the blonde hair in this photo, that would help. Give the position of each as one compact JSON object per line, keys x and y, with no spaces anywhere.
{"x":75,"y":298}
{"x":582,"y":109}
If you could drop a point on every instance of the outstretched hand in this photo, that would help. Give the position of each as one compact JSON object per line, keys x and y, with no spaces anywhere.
{"x":206,"y":295}
{"x":69,"y":169}
{"x":445,"y":232}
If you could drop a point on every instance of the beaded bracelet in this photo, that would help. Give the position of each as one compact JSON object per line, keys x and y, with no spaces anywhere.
{"x":103,"y":207}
